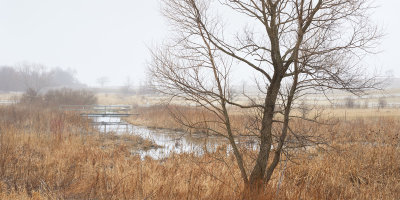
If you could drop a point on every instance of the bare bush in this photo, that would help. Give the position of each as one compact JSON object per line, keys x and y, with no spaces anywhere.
{"x":67,"y":96}
{"x":55,"y":98}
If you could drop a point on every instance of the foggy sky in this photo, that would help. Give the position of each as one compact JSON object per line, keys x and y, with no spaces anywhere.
{"x":111,"y":37}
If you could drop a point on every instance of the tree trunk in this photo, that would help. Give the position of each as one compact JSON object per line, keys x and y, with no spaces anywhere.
{"x":257,"y":181}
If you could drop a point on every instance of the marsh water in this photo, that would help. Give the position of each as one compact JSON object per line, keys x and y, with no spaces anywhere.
{"x":170,"y":141}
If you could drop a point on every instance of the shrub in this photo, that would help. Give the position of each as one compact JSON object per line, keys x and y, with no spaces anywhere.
{"x":55,"y":98}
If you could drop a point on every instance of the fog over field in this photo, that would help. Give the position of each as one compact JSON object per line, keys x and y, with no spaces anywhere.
{"x":102,"y":38}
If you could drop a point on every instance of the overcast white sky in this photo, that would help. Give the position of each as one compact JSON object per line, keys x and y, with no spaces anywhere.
{"x":110,"y":37}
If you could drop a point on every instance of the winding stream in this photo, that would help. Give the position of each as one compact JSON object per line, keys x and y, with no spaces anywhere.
{"x":171,"y":142}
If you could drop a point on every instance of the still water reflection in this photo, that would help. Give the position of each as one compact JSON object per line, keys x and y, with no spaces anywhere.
{"x":171,"y":142}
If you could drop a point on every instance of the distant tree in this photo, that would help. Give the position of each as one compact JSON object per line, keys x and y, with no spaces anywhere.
{"x":293,"y":46}
{"x":127,"y":87}
{"x":349,"y":102}
{"x":10,"y":80}
{"x":145,"y":87}
{"x":35,"y":76}
{"x":102,"y":81}
{"x":304,"y":109}
{"x":366,"y":103}
{"x":61,"y":77}
{"x":382,"y":103}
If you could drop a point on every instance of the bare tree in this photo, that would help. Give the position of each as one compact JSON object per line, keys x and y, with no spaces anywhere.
{"x":349,"y":102}
{"x":294,"y":47}
{"x":64,"y":77}
{"x":32,"y":76}
{"x":102,"y":81}
{"x":10,"y":79}
{"x":304,"y":108}
{"x":127,"y":87}
{"x":35,"y":76}
{"x":366,"y":103}
{"x":382,"y":103}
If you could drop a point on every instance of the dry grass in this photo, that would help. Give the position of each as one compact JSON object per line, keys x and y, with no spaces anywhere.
{"x":10,"y":95}
{"x":41,"y":166}
{"x":131,"y":142}
{"x":50,"y":155}
{"x":183,"y":118}
{"x":391,"y":96}
{"x":355,"y":113}
{"x":159,"y":116}
{"x":364,"y":163}
{"x":356,"y":172}
{"x":115,"y":98}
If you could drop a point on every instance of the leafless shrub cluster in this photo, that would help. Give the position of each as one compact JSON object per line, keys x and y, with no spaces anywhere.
{"x":55,"y":98}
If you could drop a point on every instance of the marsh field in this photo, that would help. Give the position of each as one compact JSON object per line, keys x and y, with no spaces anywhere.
{"x":48,"y":153}
{"x":200,"y":99}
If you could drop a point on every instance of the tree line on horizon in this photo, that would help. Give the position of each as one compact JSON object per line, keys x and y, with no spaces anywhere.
{"x":35,"y":77}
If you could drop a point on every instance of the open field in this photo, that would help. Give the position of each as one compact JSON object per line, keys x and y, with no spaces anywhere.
{"x":337,"y":100}
{"x":10,"y":95}
{"x":152,"y":114}
{"x":54,"y":155}
{"x":370,"y":99}
{"x":160,"y":116}
{"x":344,"y":113}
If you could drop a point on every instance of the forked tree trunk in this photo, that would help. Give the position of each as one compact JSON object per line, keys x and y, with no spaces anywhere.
{"x":257,"y":180}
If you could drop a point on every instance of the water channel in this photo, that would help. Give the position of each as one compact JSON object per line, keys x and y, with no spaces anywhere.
{"x":170,"y":142}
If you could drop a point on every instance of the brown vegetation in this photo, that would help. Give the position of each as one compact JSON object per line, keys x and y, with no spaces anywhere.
{"x":55,"y":98}
{"x":181,"y":118}
{"x":49,"y":155}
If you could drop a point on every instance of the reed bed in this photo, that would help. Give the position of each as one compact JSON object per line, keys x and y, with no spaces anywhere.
{"x":54,"y":155}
